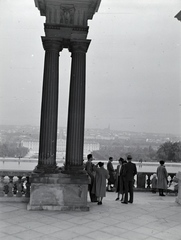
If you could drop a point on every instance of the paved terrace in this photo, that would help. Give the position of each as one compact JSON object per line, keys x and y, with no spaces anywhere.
{"x":150,"y":217}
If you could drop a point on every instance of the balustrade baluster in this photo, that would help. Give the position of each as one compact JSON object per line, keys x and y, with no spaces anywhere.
{"x":172,"y":176}
{"x":148,"y":181}
{"x":10,"y":185}
{"x":15,"y":188}
{"x":19,"y":187}
{"x":6,"y":187}
{"x":169,"y":180}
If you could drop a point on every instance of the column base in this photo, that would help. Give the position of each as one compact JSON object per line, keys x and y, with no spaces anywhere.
{"x":74,"y":170}
{"x":48,"y":169}
{"x":58,"y":192}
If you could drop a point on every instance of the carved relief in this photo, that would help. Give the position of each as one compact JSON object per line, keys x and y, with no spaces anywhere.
{"x":67,"y":14}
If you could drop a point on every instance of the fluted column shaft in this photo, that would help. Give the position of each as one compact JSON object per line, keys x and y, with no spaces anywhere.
{"x":76,"y":111}
{"x":49,"y":108}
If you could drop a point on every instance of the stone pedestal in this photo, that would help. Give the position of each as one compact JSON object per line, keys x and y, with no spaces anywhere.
{"x":178,"y":199}
{"x":141,"y":179}
{"x":59,"y":191}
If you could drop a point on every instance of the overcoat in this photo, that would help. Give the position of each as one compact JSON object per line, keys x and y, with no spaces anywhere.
{"x":89,"y":167}
{"x":129,"y":171}
{"x":119,"y":186}
{"x":99,"y":187}
{"x":111,"y":172}
{"x":162,"y":177}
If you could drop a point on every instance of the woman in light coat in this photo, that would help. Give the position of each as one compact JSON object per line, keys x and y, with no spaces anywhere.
{"x":99,"y":187}
{"x":162,"y":178}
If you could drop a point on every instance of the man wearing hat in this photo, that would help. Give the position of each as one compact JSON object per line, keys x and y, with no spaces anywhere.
{"x":129,"y":172}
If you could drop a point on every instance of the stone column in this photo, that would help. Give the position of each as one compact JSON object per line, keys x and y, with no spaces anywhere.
{"x":76,"y":111}
{"x":49,"y":108}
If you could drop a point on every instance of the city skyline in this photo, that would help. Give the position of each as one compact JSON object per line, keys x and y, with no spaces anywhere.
{"x":133,"y":67}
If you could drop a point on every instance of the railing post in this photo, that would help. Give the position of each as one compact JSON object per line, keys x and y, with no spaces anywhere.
{"x":149,"y":181}
{"x":141,"y":177}
{"x":2,"y":186}
{"x":10,"y":185}
{"x":19,"y":187}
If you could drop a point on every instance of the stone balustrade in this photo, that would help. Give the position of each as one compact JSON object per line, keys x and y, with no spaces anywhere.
{"x":143,"y":180}
{"x":15,"y":185}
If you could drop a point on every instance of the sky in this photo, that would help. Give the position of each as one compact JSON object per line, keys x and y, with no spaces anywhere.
{"x":133,"y":72}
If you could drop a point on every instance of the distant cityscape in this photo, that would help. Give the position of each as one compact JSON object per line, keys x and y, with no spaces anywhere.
{"x":94,"y":140}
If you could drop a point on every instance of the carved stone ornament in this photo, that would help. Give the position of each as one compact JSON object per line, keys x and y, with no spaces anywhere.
{"x":66,"y":10}
{"x":67,"y":14}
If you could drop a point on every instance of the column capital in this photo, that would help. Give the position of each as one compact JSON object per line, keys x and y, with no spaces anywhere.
{"x":79,"y":46}
{"x":52,"y":44}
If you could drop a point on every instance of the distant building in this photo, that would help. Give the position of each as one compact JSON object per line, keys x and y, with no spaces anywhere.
{"x":33,"y":147}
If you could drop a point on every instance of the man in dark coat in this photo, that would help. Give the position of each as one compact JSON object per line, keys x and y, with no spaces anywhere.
{"x":90,"y":171}
{"x":111,"y":172}
{"x":129,"y":172}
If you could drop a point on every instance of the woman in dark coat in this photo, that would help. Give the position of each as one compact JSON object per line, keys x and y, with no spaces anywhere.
{"x":119,"y":184}
{"x":162,"y":178}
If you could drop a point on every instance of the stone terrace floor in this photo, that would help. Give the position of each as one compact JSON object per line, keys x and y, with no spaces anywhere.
{"x":150,"y":217}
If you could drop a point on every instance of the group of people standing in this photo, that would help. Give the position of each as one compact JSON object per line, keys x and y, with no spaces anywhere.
{"x":122,"y":178}
{"x":97,"y":180}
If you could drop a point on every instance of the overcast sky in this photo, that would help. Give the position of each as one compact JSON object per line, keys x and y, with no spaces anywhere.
{"x":133,"y":66}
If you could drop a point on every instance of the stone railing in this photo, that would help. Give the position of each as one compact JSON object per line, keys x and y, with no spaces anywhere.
{"x":143,"y":180}
{"x":15,"y":185}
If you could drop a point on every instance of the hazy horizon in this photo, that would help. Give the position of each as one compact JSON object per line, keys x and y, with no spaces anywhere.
{"x":133,"y":76}
{"x":111,"y":129}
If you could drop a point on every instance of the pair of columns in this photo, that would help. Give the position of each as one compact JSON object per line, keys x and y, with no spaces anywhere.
{"x":49,"y":108}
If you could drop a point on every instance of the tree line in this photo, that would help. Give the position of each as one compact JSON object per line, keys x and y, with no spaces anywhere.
{"x":12,"y":149}
{"x":168,"y":151}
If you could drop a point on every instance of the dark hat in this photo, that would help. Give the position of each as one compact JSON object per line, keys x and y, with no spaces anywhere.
{"x":100,"y":164}
{"x":162,"y":162}
{"x":129,"y":157}
{"x":89,"y":156}
{"x":121,"y":159}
